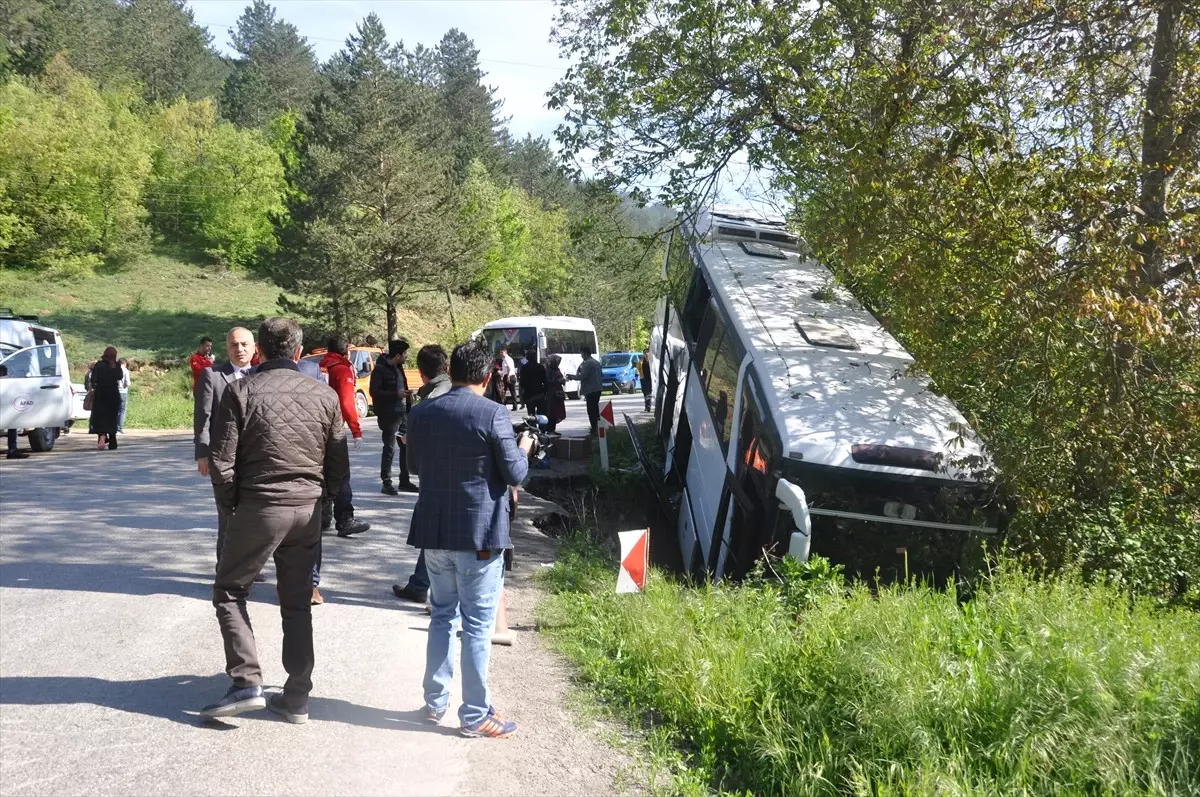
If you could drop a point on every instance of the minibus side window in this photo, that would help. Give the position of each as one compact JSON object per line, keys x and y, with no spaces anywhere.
{"x":719,"y":374}
{"x":693,"y":313}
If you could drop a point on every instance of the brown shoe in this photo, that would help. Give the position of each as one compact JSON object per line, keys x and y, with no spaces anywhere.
{"x":317,"y":600}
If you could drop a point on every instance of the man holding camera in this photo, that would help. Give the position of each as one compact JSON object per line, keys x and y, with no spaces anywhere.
{"x":463,"y":448}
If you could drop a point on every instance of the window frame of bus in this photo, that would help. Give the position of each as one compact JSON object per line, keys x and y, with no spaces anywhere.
{"x":517,"y":342}
{"x":695,"y":307}
{"x":590,"y":342}
{"x":717,"y":348}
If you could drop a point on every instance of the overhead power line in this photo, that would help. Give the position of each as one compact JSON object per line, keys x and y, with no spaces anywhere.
{"x":343,"y":41}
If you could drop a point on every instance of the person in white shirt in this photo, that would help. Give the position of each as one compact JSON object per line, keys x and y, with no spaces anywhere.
{"x":123,"y":388}
{"x":508,"y":370}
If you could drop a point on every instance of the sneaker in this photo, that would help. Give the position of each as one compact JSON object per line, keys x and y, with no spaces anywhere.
{"x":505,"y":638}
{"x":18,"y":455}
{"x":317,"y":600}
{"x":433,"y":716}
{"x":493,"y":726}
{"x":388,"y":489}
{"x":237,"y":700}
{"x":407,"y":593}
{"x":352,"y":526}
{"x":277,"y":703}
{"x":407,"y":487}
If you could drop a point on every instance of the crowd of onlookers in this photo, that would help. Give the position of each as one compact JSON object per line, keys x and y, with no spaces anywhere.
{"x":274,"y":441}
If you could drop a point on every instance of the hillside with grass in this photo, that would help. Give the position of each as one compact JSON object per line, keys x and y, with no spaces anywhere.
{"x":156,"y":310}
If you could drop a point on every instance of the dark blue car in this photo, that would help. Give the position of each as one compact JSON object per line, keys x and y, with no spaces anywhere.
{"x":620,"y":371}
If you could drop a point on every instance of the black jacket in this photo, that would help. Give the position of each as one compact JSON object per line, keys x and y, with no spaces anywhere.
{"x":387,"y":381}
{"x":278,"y":437}
{"x":533,"y":380}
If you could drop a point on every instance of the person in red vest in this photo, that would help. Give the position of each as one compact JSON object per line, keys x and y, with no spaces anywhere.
{"x":342,"y":379}
{"x":200,"y":360}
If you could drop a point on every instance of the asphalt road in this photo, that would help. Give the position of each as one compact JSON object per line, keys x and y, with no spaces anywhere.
{"x":576,"y":424}
{"x":108,"y":640}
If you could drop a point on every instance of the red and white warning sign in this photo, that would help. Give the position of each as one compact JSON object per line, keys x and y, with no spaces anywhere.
{"x":635,"y":560}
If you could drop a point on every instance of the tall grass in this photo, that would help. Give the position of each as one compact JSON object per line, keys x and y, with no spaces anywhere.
{"x":160,"y":400}
{"x":1030,"y":688}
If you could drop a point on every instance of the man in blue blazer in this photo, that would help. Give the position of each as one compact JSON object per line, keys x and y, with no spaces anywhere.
{"x":462,"y":446}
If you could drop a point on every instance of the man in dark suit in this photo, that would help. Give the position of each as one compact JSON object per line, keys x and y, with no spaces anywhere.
{"x":462,"y":446}
{"x":210,"y":388}
{"x":392,"y":400}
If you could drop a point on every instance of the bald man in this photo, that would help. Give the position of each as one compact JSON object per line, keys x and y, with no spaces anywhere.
{"x":210,"y":387}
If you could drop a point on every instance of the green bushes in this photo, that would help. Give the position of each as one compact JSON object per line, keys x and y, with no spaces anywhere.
{"x":82,"y":170}
{"x":72,"y":164}
{"x":811,"y":688}
{"x":214,"y":185}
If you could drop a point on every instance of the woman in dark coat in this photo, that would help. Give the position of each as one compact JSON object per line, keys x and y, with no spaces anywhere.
{"x":106,"y":399}
{"x":556,"y":398}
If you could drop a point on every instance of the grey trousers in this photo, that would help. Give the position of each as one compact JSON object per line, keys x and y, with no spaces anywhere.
{"x":256,"y":532}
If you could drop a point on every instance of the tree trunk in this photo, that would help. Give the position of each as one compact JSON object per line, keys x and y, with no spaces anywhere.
{"x":1158,"y":139}
{"x":392,"y":324}
{"x":335,"y":305}
{"x":453,"y":322}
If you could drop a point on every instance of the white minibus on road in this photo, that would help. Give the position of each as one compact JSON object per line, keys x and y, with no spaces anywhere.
{"x":548,"y":334}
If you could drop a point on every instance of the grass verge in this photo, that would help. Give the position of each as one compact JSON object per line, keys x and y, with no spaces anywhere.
{"x":807,"y":686}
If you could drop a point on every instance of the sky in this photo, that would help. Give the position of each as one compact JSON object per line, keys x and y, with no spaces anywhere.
{"x":512,"y":36}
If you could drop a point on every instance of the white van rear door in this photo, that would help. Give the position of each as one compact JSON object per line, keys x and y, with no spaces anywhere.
{"x":34,"y":391}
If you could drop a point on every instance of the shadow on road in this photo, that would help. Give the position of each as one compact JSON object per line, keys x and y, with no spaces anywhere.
{"x":110,"y":577}
{"x":169,"y":697}
{"x":178,"y":697}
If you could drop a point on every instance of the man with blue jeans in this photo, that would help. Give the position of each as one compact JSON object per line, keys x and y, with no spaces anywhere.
{"x":462,"y":446}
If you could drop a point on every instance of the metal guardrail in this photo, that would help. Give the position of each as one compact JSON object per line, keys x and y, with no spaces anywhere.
{"x":652,"y":474}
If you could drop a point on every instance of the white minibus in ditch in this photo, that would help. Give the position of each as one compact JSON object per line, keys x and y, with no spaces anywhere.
{"x":791,"y":420}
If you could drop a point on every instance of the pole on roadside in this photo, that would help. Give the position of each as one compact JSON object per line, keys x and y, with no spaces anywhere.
{"x":605,"y":423}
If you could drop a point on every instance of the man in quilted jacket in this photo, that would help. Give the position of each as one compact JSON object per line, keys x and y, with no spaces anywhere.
{"x":277,"y":447}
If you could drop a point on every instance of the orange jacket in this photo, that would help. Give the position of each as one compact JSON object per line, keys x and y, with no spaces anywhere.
{"x":341,"y":379}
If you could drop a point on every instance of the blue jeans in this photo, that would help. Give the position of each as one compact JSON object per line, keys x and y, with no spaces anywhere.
{"x":121,"y":412}
{"x":461,"y":583}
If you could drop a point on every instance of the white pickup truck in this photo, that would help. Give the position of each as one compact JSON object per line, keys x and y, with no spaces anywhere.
{"x":36,"y":397}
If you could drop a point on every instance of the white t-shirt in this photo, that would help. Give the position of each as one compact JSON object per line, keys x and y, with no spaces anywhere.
{"x":507,"y":366}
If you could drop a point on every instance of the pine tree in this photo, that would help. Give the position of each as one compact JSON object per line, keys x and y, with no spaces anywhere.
{"x":375,"y":210}
{"x":32,"y":32}
{"x":470,"y":108}
{"x":276,"y":70}
{"x":168,"y":52}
